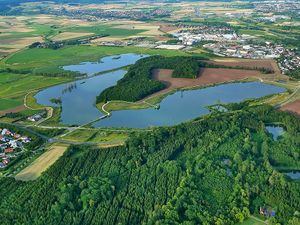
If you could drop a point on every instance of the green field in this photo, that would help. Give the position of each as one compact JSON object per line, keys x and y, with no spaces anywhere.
{"x":48,"y":58}
{"x":251,"y":221}
{"x":96,"y":136}
{"x":17,"y":85}
{"x":104,"y":30}
{"x":9,"y":103}
{"x":13,"y":87}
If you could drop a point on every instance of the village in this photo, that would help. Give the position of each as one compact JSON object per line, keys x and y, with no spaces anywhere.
{"x":288,"y":59}
{"x":277,"y":6}
{"x":106,"y":15}
{"x":11,"y":145}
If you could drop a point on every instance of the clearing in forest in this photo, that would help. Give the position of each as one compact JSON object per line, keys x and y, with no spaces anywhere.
{"x":42,"y":163}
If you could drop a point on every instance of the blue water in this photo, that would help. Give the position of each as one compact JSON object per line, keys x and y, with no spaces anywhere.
{"x":276,"y":131}
{"x":79,"y":97}
{"x":105,"y":64}
{"x":185,"y":105}
{"x":294,"y":175}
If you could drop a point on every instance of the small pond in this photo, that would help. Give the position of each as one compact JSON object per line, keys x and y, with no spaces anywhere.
{"x":294,"y":175}
{"x":105,"y":64}
{"x":276,"y":131}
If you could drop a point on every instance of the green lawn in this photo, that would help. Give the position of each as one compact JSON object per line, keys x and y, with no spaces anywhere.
{"x":251,"y":221}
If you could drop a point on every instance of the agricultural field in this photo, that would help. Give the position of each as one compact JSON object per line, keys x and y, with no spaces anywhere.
{"x":293,"y":107}
{"x":42,"y":163}
{"x":98,"y":137}
{"x":39,"y":60}
{"x":12,"y":95}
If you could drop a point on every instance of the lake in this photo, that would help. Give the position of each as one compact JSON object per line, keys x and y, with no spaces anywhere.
{"x":78,"y":97}
{"x":186,"y":105}
{"x":276,"y":131}
{"x":105,"y":64}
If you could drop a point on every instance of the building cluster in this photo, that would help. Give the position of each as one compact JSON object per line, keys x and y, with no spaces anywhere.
{"x":277,"y":6}
{"x":10,"y":144}
{"x":202,"y":28}
{"x":273,"y":18}
{"x":188,"y":38}
{"x":36,"y":117}
{"x":191,"y":35}
{"x":249,"y":51}
{"x":289,"y":61}
{"x":101,"y":14}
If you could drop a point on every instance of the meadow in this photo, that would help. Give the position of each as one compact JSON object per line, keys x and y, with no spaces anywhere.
{"x":49,"y":58}
{"x":13,"y":87}
{"x":97,"y":136}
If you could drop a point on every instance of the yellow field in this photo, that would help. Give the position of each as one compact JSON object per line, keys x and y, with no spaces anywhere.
{"x":42,"y":163}
{"x":152,"y":30}
{"x":70,"y":35}
{"x":19,"y":43}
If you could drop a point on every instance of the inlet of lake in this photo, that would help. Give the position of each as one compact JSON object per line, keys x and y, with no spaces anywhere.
{"x":105,"y":64}
{"x":78,"y":99}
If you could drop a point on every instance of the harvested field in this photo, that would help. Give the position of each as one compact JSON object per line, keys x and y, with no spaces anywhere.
{"x":168,"y":28}
{"x":152,"y":30}
{"x":207,"y":76}
{"x":19,"y":43}
{"x":250,"y":63}
{"x":293,"y":107}
{"x":70,"y":35}
{"x":14,"y":110}
{"x":42,"y":163}
{"x":108,"y":38}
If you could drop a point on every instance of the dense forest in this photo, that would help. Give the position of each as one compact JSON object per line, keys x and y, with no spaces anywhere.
{"x":218,"y":169}
{"x":294,"y":74}
{"x":137,"y":82}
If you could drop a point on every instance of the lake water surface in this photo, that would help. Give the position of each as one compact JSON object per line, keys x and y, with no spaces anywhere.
{"x":78,"y":97}
{"x":185,"y":105}
{"x":105,"y":64}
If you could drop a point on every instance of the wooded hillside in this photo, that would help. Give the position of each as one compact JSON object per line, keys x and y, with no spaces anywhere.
{"x":217,"y":170}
